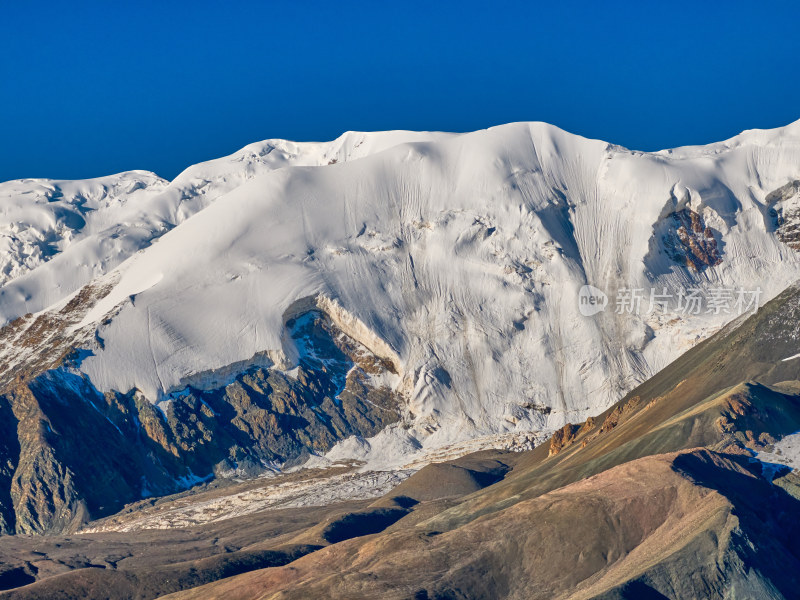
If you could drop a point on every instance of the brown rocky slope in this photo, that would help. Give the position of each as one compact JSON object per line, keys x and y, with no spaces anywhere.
{"x":659,"y":497}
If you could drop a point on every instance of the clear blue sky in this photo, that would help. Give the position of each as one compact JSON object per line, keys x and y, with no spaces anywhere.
{"x":92,"y":88}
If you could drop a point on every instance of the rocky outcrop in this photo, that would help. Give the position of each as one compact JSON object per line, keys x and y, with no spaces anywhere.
{"x":69,"y":453}
{"x":690,"y":242}
{"x":9,"y":455}
{"x":562,"y":438}
{"x":784,"y":210}
{"x":587,"y":431}
{"x":43,"y":490}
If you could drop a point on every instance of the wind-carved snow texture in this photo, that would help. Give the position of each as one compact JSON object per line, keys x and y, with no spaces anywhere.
{"x":88,"y":227}
{"x":455,"y":258}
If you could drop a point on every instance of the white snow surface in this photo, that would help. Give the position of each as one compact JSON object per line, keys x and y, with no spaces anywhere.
{"x":785,"y":452}
{"x":190,"y":511}
{"x":91,"y":226}
{"x":457,"y":256}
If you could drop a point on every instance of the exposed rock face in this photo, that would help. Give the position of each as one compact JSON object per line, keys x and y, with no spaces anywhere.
{"x":69,"y":452}
{"x":784,"y":205}
{"x":563,"y":437}
{"x":32,"y":344}
{"x":660,"y":496}
{"x":690,"y":242}
{"x":9,"y":450}
{"x":44,"y":490}
{"x":587,"y":431}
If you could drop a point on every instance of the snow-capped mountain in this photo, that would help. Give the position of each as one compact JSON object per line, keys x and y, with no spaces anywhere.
{"x":89,"y":227}
{"x":453,"y":261}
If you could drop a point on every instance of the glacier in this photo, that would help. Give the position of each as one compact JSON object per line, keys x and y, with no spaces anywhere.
{"x":457,"y":258}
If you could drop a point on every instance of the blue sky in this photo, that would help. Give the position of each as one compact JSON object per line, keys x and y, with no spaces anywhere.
{"x":92,"y":88}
